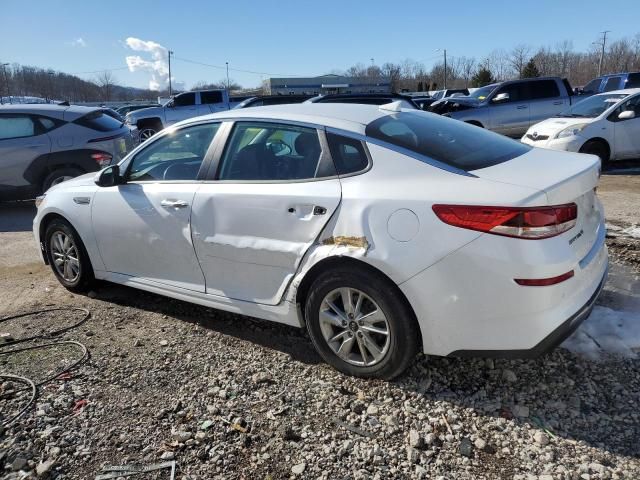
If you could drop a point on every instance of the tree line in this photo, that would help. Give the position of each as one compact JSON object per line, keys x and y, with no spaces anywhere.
{"x":522,"y":61}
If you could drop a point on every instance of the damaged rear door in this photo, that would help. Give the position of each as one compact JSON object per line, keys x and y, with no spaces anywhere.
{"x":273,"y":190}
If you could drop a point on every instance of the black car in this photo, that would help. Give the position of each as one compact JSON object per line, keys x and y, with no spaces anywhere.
{"x":366,"y":98}
{"x":272,"y":100}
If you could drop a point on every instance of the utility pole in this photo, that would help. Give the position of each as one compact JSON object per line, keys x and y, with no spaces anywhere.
{"x":444,"y":50}
{"x":6,"y":80}
{"x":227,"y":64}
{"x":604,"y":42}
{"x":50,"y":87}
{"x":170,"y":52}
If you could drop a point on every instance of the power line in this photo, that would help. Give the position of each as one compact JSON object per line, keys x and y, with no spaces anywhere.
{"x":99,"y":71}
{"x":223,"y":67}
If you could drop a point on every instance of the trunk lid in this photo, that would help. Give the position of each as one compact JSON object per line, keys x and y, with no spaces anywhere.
{"x":564,"y":178}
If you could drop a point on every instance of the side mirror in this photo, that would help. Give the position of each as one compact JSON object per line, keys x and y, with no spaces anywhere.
{"x":501,"y":97}
{"x":627,"y":115}
{"x":108,"y":177}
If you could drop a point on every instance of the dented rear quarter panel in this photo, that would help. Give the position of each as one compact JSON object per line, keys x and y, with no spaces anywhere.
{"x":360,"y":226}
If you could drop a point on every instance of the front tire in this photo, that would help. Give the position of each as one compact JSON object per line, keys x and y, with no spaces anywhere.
{"x":360,"y":324}
{"x":67,"y":256}
{"x":598,"y":148}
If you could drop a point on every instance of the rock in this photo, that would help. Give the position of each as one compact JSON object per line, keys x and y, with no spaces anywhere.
{"x":44,"y":467}
{"x":164,"y":343}
{"x":509,"y":376}
{"x":372,"y":410}
{"x":465,"y":448}
{"x":541,"y":438}
{"x":206,"y":425}
{"x":520,"y":411}
{"x":430,"y":438}
{"x":18,"y":463}
{"x":299,"y":468}
{"x":261,"y":377}
{"x":181,"y":436}
{"x":412,"y":455}
{"x":480,"y":444}
{"x":597,"y":467}
{"x":545,"y":477}
{"x":167,"y":456}
{"x":415,"y":440}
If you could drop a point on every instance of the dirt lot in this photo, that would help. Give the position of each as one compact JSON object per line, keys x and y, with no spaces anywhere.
{"x":231,"y":397}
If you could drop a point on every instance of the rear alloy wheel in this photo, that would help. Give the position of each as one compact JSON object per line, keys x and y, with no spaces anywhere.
{"x":67,"y":256}
{"x":58,"y":176}
{"x":146,"y":133}
{"x":360,"y":324}
{"x":598,"y":148}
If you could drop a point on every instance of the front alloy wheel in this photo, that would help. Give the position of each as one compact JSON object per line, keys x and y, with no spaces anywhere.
{"x":65,"y":256}
{"x":354,"y":326}
{"x":147,"y":133}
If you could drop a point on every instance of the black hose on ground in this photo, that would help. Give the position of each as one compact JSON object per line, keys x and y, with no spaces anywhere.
{"x":31,"y":385}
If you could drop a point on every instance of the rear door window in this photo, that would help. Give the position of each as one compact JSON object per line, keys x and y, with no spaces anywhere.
{"x":210,"y":97}
{"x":613,"y":83}
{"x":99,"y":121}
{"x":16,"y":126}
{"x":518,"y":92}
{"x":543,"y":89}
{"x":448,"y":141}
{"x":633,"y":80}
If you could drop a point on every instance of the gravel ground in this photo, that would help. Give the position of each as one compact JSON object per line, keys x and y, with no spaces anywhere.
{"x":231,"y":397}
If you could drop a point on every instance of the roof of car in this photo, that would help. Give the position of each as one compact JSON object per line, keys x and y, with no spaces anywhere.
{"x":628,"y":91}
{"x":345,"y":116}
{"x":50,"y":109}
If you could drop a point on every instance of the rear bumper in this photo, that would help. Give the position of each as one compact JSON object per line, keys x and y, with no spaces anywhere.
{"x":550,"y":342}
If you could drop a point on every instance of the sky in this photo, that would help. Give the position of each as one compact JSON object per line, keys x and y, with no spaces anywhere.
{"x":286,"y":38}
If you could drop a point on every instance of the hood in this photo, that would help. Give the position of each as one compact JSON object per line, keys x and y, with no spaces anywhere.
{"x":146,"y":113}
{"x":453,"y":104}
{"x":552,"y":126}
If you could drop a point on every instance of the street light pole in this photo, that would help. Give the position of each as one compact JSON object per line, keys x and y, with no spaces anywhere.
{"x":6,"y":80}
{"x":227,"y":64}
{"x":170,"y":52}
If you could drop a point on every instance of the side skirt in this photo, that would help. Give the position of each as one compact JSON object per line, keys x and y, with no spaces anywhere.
{"x":285,"y":312}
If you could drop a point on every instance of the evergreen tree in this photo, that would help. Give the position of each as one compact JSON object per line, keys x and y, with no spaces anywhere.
{"x":482,"y":77}
{"x":530,"y":70}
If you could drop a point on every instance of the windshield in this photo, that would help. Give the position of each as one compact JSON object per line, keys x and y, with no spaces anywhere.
{"x":482,"y":92}
{"x":593,"y":106}
{"x":451,"y":142}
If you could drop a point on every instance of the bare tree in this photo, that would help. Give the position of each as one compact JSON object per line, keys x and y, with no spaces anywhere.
{"x":106,"y":81}
{"x":519,"y":57}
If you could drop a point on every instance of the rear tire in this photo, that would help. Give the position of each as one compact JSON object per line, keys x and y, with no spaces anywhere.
{"x":360,"y":323}
{"x":598,"y":148}
{"x":58,"y":176}
{"x":148,"y":129}
{"x":67,"y":256}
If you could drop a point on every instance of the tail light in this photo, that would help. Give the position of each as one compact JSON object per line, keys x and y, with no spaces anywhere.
{"x":102,"y":159}
{"x":530,"y":223}
{"x":544,"y":282}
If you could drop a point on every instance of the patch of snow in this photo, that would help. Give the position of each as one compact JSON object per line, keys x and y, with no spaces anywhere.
{"x":607,"y":332}
{"x":632,"y":231}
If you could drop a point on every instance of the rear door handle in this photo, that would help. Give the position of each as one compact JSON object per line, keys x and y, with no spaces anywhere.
{"x":169,"y":203}
{"x":521,"y":107}
{"x":558,"y":103}
{"x":318,"y":210}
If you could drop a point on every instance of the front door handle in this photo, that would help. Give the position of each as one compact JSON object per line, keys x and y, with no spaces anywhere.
{"x":558,"y":103}
{"x":521,"y":107}
{"x":169,"y":203}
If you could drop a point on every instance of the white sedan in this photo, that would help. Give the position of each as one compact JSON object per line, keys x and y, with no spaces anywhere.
{"x":606,"y":125}
{"x":382,"y":231}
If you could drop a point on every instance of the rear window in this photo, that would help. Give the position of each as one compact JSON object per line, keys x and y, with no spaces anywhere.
{"x":99,"y":121}
{"x":451,"y":142}
{"x":544,"y":89}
